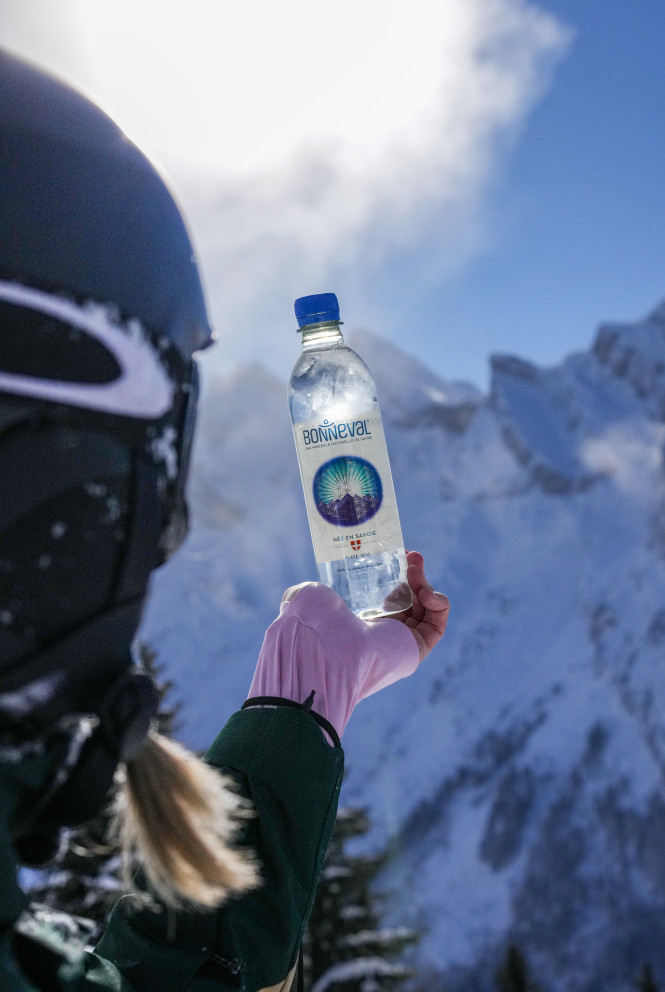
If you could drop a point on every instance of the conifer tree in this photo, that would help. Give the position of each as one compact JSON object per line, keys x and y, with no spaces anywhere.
{"x":646,"y":981}
{"x":346,"y":948}
{"x":85,"y":880}
{"x":513,"y":974}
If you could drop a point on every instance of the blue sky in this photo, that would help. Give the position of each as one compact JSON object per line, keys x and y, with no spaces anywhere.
{"x":471,"y":176}
{"x":578,"y":208}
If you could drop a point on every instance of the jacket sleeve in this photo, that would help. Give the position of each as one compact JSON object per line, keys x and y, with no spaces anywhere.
{"x":281,"y":761}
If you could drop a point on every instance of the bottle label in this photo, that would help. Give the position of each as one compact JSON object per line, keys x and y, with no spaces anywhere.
{"x":348,"y":487}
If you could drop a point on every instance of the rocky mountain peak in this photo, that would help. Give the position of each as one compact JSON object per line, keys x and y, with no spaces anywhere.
{"x":518,"y":774}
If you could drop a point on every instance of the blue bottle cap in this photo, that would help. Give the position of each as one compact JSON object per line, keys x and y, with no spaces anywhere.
{"x":317,"y":308}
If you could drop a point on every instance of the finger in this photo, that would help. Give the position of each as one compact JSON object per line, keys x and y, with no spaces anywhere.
{"x":396,"y":598}
{"x":417,"y":580}
{"x":414,"y":581}
{"x":433,"y":624}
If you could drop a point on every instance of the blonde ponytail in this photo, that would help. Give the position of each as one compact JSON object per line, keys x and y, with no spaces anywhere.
{"x":179,"y":816}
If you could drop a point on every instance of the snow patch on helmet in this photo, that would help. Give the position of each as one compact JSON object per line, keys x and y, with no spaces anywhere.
{"x":164,"y":451}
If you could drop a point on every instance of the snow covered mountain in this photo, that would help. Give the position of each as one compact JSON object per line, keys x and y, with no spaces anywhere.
{"x":519,"y":774}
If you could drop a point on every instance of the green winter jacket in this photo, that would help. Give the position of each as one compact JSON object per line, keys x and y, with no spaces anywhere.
{"x":282,"y":762}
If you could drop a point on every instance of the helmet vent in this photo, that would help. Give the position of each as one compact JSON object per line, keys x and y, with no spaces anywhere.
{"x":39,"y":345}
{"x":56,"y":350}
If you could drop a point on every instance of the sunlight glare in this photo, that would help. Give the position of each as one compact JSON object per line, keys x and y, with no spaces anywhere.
{"x":242,"y":87}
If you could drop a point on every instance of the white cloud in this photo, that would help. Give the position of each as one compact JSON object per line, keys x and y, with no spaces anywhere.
{"x":332,"y":209}
{"x":311,"y":144}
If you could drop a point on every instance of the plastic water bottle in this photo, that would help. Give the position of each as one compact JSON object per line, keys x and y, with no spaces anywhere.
{"x":344,"y":467}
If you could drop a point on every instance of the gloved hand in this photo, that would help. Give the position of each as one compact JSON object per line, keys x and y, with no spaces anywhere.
{"x":318,"y":644}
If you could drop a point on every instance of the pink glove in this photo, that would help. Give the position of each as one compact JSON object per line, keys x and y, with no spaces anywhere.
{"x":318,"y":643}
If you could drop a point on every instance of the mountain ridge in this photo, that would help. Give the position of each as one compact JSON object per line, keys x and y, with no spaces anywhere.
{"x":518,"y":774}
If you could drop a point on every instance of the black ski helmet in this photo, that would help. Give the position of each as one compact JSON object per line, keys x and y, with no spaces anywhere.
{"x":83,"y":210}
{"x":101,"y":310}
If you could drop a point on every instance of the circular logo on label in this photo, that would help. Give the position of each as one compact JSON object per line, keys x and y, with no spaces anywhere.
{"x":347,"y":491}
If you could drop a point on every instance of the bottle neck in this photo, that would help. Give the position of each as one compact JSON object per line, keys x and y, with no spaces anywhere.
{"x":324,"y":335}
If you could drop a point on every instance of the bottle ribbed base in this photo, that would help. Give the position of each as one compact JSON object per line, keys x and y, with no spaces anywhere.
{"x":372,"y":585}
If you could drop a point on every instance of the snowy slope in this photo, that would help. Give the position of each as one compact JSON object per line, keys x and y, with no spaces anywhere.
{"x":519,"y":774}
